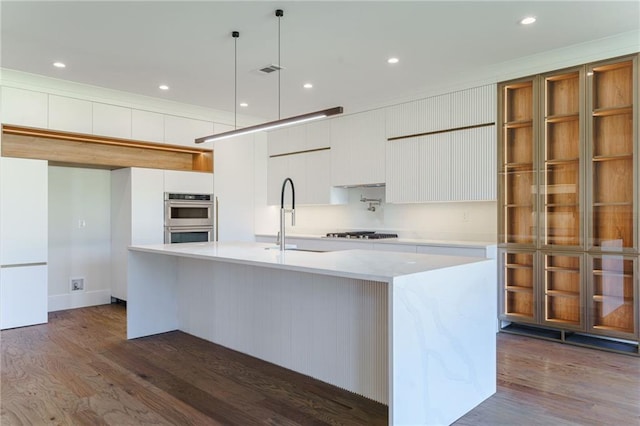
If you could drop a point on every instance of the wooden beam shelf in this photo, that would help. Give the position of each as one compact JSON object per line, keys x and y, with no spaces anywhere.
{"x":101,"y":152}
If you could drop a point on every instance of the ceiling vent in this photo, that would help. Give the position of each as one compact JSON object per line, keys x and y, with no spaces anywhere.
{"x":270,"y":68}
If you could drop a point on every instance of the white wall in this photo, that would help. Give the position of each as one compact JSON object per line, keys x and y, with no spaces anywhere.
{"x":469,"y":221}
{"x":77,"y":195}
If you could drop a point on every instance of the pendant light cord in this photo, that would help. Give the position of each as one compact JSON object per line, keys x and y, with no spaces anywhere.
{"x":279,"y":14}
{"x":235,"y":35}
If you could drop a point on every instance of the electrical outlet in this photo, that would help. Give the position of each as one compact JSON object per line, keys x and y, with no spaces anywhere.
{"x":465,"y":216}
{"x":77,"y":284}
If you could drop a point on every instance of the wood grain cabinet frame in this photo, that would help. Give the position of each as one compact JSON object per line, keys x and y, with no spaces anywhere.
{"x":568,"y":203}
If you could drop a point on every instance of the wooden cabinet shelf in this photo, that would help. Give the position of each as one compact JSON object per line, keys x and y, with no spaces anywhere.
{"x":561,"y":161}
{"x":620,"y":203}
{"x":624,"y":156}
{"x":604,"y":112}
{"x":561,"y":118}
{"x":519,"y":166}
{"x":518,"y":124}
{"x":563,"y":269}
{"x":518,"y":266}
{"x":611,"y":273}
{"x":606,"y":298}
{"x":561,"y":205}
{"x":561,"y":293}
{"x":520,"y":289}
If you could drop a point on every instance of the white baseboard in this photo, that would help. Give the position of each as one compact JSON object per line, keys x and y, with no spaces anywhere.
{"x":83,"y":299}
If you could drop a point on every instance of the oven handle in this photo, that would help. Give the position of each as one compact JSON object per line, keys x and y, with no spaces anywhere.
{"x":188,"y":228}
{"x":191,"y":204}
{"x":216,"y":220}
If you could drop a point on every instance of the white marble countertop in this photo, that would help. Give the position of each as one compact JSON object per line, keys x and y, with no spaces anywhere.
{"x":413,"y":241}
{"x":358,"y":264}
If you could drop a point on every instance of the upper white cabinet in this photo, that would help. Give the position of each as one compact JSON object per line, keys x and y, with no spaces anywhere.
{"x":449,"y":166}
{"x":473,"y":106}
{"x":304,"y":137}
{"x":23,"y":211}
{"x":311,"y":175}
{"x":444,"y":112}
{"x":111,"y":120}
{"x":358,"y":149}
{"x":188,"y":182}
{"x":418,"y":169}
{"x":24,"y":107}
{"x":184,"y":131}
{"x":147,"y":126}
{"x":473,"y":164}
{"x":70,"y":114}
{"x":421,"y":116}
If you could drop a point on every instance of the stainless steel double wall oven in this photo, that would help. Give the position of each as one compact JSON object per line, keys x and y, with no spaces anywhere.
{"x":188,"y":218}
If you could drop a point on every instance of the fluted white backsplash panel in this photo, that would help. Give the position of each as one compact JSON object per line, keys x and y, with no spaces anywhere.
{"x":333,"y":329}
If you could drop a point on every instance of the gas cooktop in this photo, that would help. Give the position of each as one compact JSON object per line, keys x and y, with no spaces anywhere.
{"x":366,"y":235}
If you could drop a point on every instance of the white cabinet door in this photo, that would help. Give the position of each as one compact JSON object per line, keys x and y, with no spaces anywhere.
{"x":24,"y":107}
{"x":184,"y":131}
{"x":287,"y":140}
{"x":318,"y":134}
{"x":188,"y":182}
{"x":111,"y":120}
{"x":474,"y":106}
{"x":23,"y":211}
{"x":358,"y":149}
{"x":147,"y":206}
{"x":277,"y":172}
{"x":147,"y":126}
{"x":473,"y":164}
{"x":70,"y":114}
{"x":418,"y":169}
{"x":421,"y":116}
{"x":234,"y":172}
{"x":23,"y":296}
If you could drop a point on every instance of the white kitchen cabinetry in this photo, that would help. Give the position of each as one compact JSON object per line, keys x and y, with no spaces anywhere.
{"x":473,"y":106}
{"x":450,"y":166}
{"x":473,"y":164}
{"x":188,"y":182}
{"x":421,"y":116}
{"x":137,"y":217}
{"x":358,"y":149}
{"x":147,"y":126}
{"x":311,"y":175}
{"x":24,"y":242}
{"x":289,"y":140}
{"x":23,"y":211}
{"x":184,"y":131}
{"x":464,"y":108}
{"x":24,"y":107}
{"x":235,"y":170}
{"x":23,"y":296}
{"x":111,"y":120}
{"x":70,"y":114}
{"x":418,"y":169}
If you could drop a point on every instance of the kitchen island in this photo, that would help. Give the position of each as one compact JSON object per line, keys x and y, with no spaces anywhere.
{"x":414,"y":331}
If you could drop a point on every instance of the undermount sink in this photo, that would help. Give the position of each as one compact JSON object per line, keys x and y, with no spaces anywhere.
{"x":294,"y":248}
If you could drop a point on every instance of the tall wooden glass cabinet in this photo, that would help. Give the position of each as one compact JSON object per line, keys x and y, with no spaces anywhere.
{"x":568,"y":205}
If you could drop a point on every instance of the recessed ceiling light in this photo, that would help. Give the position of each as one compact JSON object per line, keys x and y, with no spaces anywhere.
{"x":163,"y":87}
{"x":393,"y":60}
{"x":59,"y":64}
{"x":244,"y":104}
{"x":528,"y":20}
{"x":307,"y":85}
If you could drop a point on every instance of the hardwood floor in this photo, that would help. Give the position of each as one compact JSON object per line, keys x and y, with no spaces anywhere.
{"x":79,"y":369}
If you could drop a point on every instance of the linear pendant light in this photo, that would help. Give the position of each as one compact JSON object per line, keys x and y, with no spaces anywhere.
{"x":280,"y":122}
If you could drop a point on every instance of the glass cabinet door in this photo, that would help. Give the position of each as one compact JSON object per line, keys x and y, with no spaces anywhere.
{"x":613,"y":296}
{"x":612,"y":157}
{"x":517,"y":175}
{"x":561,"y":177}
{"x":519,"y":300}
{"x":563,"y":284}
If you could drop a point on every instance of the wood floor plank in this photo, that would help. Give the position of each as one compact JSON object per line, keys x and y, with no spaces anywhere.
{"x":79,"y":369}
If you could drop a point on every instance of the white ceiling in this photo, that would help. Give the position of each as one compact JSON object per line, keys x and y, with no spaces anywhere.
{"x":341,"y":47}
